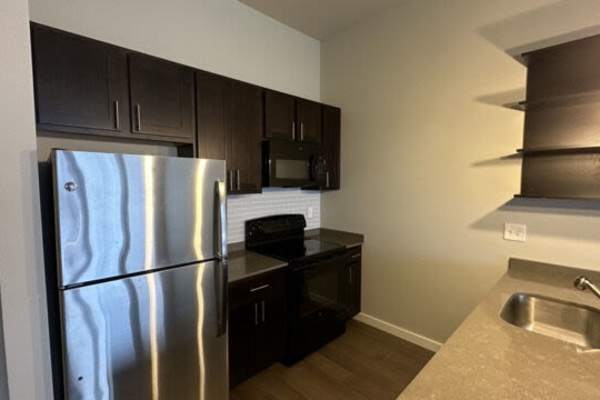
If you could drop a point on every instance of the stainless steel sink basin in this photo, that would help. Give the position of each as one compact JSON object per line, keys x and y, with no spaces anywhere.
{"x":569,"y":322}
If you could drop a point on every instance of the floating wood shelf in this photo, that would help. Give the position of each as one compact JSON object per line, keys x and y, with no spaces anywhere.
{"x":560,"y":150}
{"x":517,"y":105}
{"x":572,"y":198}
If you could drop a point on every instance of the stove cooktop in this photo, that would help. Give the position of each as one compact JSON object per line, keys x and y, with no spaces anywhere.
{"x":292,"y":250}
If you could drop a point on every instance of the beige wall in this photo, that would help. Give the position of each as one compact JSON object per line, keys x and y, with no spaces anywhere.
{"x":21,"y":272}
{"x":424,"y":141}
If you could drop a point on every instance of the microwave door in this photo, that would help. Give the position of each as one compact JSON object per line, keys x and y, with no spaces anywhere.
{"x":289,"y":164}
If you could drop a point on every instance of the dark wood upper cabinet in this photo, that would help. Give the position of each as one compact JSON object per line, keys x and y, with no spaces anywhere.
{"x":280,"y":115}
{"x":211,"y":94}
{"x":244,"y":124}
{"x":230,"y":126}
{"x":309,"y":123}
{"x":291,"y":118}
{"x":162,"y":97}
{"x":83,"y":86}
{"x":330,"y":147}
{"x":80,"y":84}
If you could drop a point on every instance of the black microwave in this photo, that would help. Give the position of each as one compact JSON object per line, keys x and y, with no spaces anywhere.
{"x":287,"y":163}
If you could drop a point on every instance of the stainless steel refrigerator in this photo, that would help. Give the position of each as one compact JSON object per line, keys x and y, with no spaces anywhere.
{"x":141,"y":260}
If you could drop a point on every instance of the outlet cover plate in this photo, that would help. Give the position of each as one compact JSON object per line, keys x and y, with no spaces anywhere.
{"x":515,"y":232}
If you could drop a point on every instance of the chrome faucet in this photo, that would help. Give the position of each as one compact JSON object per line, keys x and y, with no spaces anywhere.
{"x":583,"y":283}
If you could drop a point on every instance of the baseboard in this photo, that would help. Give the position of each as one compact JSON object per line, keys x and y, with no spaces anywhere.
{"x":397,"y":331}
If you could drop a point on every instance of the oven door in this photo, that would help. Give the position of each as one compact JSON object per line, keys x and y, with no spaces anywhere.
{"x":289,"y":164}
{"x":316,"y":310}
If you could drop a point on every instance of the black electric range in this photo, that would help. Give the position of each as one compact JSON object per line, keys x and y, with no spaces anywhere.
{"x":315,"y":307}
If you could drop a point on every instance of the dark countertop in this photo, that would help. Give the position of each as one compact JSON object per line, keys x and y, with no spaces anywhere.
{"x":346,"y":239}
{"x":488,"y":358}
{"x":244,"y":264}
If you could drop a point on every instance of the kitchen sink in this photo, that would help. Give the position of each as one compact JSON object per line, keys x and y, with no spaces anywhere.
{"x":569,"y":322}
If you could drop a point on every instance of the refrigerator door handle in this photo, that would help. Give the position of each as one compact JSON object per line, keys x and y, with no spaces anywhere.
{"x":221,"y":240}
{"x":221,"y":219}
{"x":222,"y":285}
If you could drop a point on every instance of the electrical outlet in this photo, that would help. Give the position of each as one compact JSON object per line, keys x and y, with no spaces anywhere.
{"x":309,"y":212}
{"x":515,"y":232}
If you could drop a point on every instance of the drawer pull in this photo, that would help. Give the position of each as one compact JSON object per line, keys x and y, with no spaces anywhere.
{"x":259,"y":288}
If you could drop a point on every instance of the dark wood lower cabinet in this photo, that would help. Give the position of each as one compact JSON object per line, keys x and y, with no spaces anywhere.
{"x":256,"y":324}
{"x":352,"y":281}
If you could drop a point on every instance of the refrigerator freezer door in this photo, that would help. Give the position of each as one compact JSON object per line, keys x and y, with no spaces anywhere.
{"x":119,"y":214}
{"x":154,"y":337}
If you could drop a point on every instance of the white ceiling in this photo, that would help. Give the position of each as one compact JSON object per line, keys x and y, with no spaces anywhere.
{"x":319,"y":18}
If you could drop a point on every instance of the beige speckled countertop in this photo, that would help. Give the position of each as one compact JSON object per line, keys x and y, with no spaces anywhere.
{"x":487,"y":358}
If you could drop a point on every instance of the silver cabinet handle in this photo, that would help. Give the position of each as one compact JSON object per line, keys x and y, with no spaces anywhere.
{"x":263,"y":311}
{"x":259,"y":288}
{"x":237,"y":173}
{"x":302,"y":131}
{"x":327,"y":179}
{"x":255,"y":313}
{"x":293,"y":130}
{"x":117,"y":116}
{"x":138,"y":117}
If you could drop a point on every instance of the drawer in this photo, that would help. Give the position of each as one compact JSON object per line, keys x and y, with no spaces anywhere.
{"x":354,"y":253}
{"x":257,"y":287}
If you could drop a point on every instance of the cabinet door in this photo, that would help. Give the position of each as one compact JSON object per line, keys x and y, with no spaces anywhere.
{"x":352,"y":284}
{"x":244,"y":127}
{"x":308,"y":116}
{"x":80,"y":84}
{"x":162,"y":97}
{"x":256,"y":324}
{"x":280,"y":116}
{"x":330,"y":146}
{"x":211,"y":93}
{"x":241,"y":332}
{"x":270,"y":330}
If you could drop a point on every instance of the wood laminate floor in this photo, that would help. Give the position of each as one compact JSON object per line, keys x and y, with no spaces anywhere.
{"x":364,"y":363}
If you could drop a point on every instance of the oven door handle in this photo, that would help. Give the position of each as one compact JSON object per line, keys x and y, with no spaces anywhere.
{"x":317,"y":263}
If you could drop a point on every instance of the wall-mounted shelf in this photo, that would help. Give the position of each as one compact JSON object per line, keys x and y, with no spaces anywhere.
{"x":517,"y":105}
{"x":520,"y":196}
{"x":561,"y":146}
{"x":560,"y":150}
{"x":556,"y":101}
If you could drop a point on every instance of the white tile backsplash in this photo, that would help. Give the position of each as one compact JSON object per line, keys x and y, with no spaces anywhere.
{"x":272,"y":201}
